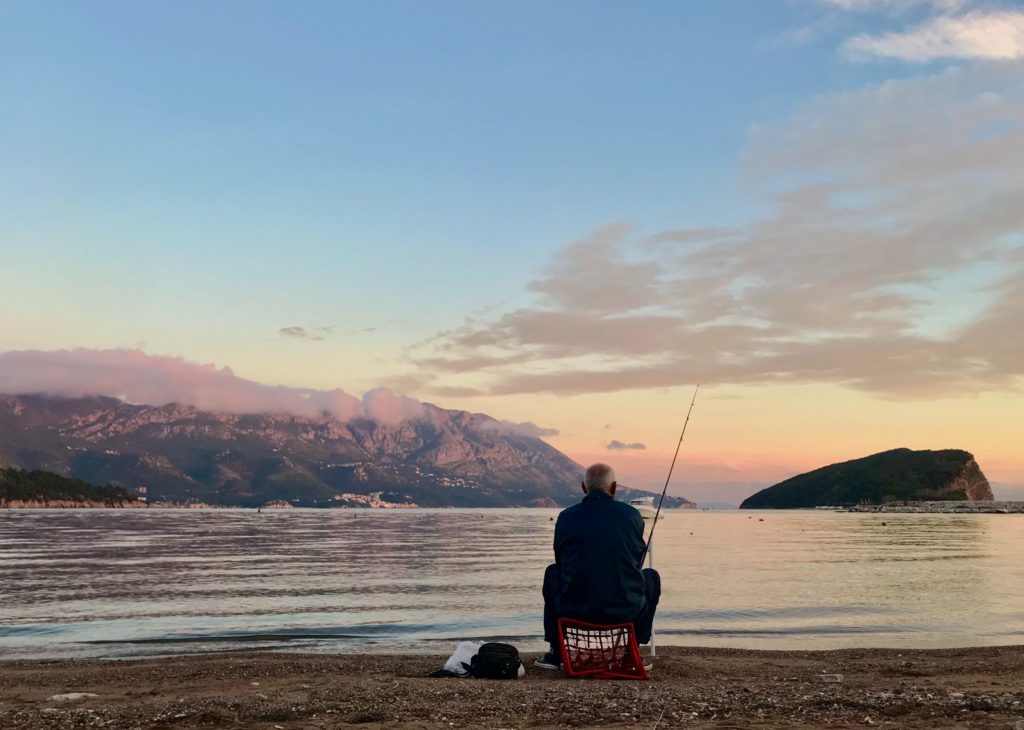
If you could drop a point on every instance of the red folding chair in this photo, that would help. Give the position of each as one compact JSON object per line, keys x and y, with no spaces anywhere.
{"x":600,"y":651}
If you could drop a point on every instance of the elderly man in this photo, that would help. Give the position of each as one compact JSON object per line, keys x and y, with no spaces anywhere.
{"x":597,"y":575}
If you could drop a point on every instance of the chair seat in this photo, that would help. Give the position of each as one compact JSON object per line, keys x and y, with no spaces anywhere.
{"x":602,"y":651}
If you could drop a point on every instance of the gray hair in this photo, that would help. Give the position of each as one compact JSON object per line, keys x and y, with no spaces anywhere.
{"x":599,"y":477}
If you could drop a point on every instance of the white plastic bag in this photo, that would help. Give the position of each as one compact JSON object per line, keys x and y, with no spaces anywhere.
{"x":464,"y":652}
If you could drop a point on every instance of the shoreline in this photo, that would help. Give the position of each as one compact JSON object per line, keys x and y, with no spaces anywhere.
{"x":943,"y":508}
{"x":981,"y":687}
{"x":71,"y":504}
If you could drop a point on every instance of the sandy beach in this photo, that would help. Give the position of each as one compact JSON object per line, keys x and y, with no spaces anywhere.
{"x":690,"y":687}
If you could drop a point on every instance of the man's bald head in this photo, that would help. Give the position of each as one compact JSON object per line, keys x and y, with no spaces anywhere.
{"x":599,"y":478}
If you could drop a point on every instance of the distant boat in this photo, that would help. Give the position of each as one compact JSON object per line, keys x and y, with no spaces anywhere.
{"x":645,"y":506}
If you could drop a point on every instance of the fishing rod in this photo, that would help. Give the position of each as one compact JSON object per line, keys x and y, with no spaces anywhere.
{"x":654,"y":524}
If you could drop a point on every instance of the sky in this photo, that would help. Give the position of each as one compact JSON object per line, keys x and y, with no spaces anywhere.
{"x":565,"y":215}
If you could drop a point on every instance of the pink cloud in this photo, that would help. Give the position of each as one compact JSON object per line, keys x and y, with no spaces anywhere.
{"x":383,"y":406}
{"x":526,"y":428}
{"x":888,"y":260}
{"x":136,"y":377}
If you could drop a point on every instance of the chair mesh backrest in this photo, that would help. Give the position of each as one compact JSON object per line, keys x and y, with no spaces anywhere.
{"x":600,"y":651}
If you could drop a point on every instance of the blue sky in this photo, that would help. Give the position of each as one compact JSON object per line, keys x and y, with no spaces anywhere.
{"x":546,"y":211}
{"x":305,"y":145}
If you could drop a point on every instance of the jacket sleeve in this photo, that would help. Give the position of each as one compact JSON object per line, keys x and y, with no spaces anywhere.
{"x":556,"y":545}
{"x":638,"y":532}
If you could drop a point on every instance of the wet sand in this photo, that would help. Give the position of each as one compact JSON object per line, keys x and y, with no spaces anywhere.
{"x":690,"y":687}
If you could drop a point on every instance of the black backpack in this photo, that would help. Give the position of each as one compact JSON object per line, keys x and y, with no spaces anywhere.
{"x":495,"y":660}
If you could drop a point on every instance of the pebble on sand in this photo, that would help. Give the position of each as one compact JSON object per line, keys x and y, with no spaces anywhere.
{"x":72,"y":696}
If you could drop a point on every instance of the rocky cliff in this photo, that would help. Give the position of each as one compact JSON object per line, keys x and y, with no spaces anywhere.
{"x":891,"y":476}
{"x":182,"y":454}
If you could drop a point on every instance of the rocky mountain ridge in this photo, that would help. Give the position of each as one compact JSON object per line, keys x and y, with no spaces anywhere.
{"x":444,"y":458}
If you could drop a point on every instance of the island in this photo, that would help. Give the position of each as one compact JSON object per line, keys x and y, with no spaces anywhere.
{"x":896,"y":476}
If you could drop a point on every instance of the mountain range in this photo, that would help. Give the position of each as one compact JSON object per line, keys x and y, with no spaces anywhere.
{"x":444,"y":458}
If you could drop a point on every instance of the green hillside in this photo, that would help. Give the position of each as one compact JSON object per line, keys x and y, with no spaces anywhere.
{"x":32,"y":486}
{"x":899,"y":475}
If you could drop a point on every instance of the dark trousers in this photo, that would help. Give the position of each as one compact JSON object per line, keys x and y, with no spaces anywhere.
{"x":642,"y":624}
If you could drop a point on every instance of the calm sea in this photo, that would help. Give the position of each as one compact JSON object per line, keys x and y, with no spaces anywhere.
{"x":117,"y":583}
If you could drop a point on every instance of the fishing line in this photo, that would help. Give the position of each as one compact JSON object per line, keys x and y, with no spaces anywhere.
{"x":669,"y":477}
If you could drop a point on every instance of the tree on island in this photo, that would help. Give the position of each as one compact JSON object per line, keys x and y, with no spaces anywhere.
{"x":43,"y":486}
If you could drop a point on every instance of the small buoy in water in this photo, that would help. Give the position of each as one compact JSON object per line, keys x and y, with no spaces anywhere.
{"x":551,"y":519}
{"x":760,"y":519}
{"x":884,"y":524}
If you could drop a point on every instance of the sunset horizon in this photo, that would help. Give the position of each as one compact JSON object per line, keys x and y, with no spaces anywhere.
{"x":816,"y":214}
{"x":708,"y":472}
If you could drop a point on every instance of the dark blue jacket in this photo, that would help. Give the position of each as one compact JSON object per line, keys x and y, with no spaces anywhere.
{"x":599,"y":544}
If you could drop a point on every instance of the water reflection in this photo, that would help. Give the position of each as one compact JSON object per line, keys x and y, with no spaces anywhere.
{"x":418,"y":580}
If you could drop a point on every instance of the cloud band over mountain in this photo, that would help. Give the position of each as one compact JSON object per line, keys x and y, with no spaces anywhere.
{"x":136,"y":377}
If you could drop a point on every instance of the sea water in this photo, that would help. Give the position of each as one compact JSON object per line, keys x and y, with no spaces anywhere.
{"x":121,"y":583}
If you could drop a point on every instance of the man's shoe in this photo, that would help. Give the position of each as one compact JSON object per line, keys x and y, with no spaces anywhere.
{"x":550,"y":661}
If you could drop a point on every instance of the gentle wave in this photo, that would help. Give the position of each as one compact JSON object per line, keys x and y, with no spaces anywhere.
{"x":120,"y":583}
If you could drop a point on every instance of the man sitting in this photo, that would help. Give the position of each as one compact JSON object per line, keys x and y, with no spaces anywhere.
{"x":597,"y":575}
